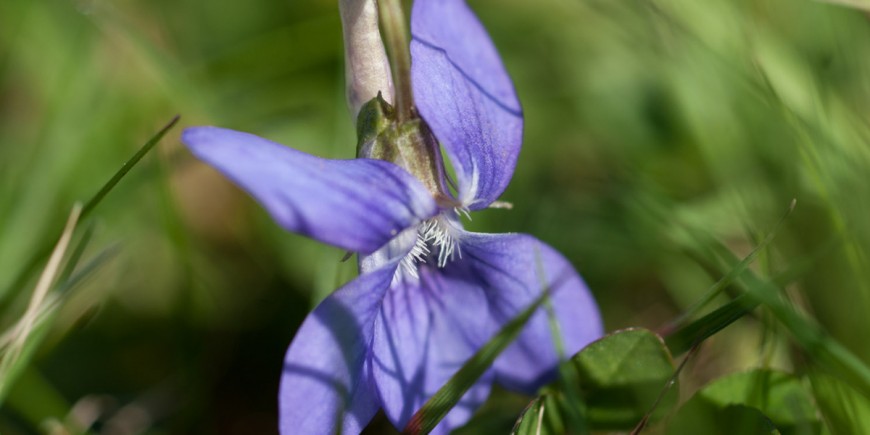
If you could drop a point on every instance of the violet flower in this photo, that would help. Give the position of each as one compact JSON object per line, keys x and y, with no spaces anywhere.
{"x":429,"y":293}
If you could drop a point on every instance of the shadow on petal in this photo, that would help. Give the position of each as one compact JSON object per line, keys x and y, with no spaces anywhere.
{"x":426,"y":330}
{"x":513,"y":270}
{"x":325,"y":383}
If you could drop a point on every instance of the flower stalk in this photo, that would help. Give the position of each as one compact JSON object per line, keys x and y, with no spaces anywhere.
{"x":395,"y":35}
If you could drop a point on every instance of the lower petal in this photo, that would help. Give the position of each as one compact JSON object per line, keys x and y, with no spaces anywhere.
{"x":326,"y":384}
{"x":426,"y":330}
{"x":514,"y":269}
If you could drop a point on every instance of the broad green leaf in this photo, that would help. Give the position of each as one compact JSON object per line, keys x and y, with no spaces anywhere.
{"x":701,"y":417}
{"x":781,"y":397}
{"x":621,"y":378}
{"x":844,"y":409}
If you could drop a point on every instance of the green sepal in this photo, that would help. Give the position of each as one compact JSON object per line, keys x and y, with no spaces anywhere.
{"x":409,"y":144}
{"x":375,"y":117}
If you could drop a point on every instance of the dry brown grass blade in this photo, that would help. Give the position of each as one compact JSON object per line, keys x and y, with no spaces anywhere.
{"x":15,"y":340}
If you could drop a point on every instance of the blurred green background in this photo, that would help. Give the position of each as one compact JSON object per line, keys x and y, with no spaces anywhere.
{"x":643,"y":118}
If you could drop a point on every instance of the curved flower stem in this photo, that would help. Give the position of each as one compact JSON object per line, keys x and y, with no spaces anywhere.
{"x":395,"y":35}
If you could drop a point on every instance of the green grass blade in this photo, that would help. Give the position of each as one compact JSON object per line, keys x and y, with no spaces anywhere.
{"x":76,"y":254}
{"x":732,"y":274}
{"x":16,"y":357}
{"x":811,"y":337}
{"x":89,"y":268}
{"x":127,"y":166}
{"x":825,"y":350}
{"x":41,"y":254}
{"x":689,"y":335}
{"x":437,"y":407}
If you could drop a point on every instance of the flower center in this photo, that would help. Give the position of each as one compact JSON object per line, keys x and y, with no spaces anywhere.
{"x":436,"y":241}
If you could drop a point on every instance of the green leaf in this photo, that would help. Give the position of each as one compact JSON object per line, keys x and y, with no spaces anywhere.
{"x":845,"y":410}
{"x":622,"y":376}
{"x":701,"y":417}
{"x":782,"y":397}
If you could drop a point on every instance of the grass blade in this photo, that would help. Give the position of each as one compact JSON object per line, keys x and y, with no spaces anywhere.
{"x":726,"y":280}
{"x":25,"y":326}
{"x":437,"y":407}
{"x":127,"y":166}
{"x":90,"y":205}
{"x":684,"y":338}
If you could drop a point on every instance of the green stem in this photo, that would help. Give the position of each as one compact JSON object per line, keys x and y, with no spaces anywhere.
{"x":395,"y":35}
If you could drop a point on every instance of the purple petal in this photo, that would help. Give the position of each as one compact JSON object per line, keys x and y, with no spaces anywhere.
{"x":356,"y":205}
{"x":425,"y":331}
{"x":514,"y":269}
{"x":326,"y":380}
{"x":464,"y":93}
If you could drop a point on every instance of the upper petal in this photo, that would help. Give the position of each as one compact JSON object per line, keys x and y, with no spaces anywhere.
{"x":514,"y":269}
{"x":356,"y":205}
{"x":426,"y":330}
{"x":326,"y":378}
{"x":465,"y":95}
